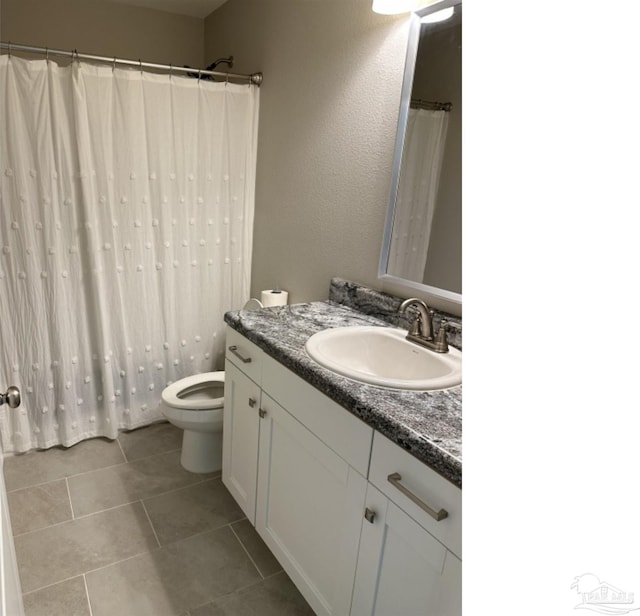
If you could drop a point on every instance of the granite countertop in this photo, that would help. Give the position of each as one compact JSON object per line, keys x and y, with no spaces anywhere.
{"x":427,"y":424}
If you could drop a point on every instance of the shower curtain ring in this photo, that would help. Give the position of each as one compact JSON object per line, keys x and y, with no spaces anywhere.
{"x":113,"y":66}
{"x":47,"y":54}
{"x":9,"y":50}
{"x":170,"y":70}
{"x":199,"y":75}
{"x":140,"y":62}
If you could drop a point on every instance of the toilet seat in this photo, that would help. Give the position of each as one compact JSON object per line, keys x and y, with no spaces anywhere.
{"x":171,"y":395}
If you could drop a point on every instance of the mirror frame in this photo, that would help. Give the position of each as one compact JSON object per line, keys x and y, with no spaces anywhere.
{"x":441,"y":299}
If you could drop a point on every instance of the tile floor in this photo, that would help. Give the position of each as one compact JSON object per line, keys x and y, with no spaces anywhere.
{"x":120,"y":528}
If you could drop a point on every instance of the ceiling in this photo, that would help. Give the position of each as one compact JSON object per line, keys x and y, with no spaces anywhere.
{"x":193,"y":8}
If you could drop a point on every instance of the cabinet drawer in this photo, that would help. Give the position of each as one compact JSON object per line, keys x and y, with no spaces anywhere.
{"x":244,"y":355}
{"x":388,"y":459}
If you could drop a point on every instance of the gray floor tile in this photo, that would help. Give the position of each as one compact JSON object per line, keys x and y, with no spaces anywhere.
{"x":173,"y":578}
{"x":38,"y":467}
{"x":275,"y":596}
{"x":259,"y":552}
{"x":150,"y":440}
{"x":126,"y":571}
{"x":68,"y":598}
{"x":59,"y":552}
{"x":126,"y":483}
{"x":40,"y":506}
{"x":196,"y":509}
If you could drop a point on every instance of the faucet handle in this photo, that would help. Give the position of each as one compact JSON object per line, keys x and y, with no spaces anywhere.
{"x":414,"y":327}
{"x":442,"y":343}
{"x":451,"y":325}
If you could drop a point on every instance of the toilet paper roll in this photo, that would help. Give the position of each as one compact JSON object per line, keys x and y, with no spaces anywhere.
{"x":274,"y":297}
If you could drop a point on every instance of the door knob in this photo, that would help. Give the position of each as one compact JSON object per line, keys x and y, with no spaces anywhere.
{"x":12,"y":397}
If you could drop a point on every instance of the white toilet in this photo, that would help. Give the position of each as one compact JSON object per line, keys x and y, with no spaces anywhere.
{"x":196,"y":404}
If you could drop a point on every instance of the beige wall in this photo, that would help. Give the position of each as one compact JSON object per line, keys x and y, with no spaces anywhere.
{"x":329,"y":105}
{"x":108,"y":29}
{"x":328,"y":113}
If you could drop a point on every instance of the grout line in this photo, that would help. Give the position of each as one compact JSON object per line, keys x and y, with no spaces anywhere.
{"x":73,"y":515}
{"x":80,"y":517}
{"x":247,"y":552}
{"x":93,"y":470}
{"x":118,"y":562}
{"x":43,"y":483}
{"x":204,"y":532}
{"x":190,"y":485}
{"x":131,"y":502}
{"x":72,"y":577}
{"x":272,"y":575}
{"x":86,"y":590}
{"x":84,"y":574}
{"x":103,"y":468}
{"x":124,"y":455}
{"x":150,"y":523}
{"x":233,"y":592}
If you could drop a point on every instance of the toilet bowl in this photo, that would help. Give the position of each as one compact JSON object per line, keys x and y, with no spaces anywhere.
{"x":196,"y":404}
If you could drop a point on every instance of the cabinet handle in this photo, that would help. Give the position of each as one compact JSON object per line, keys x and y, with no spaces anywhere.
{"x":262,"y":413}
{"x":244,"y":360}
{"x":395,"y":478}
{"x":252,"y":402}
{"x":369,"y":515}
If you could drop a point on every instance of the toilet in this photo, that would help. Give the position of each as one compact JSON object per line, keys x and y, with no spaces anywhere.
{"x":196,"y":404}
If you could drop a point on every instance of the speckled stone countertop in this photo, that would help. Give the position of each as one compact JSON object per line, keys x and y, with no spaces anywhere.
{"x":428,"y":424}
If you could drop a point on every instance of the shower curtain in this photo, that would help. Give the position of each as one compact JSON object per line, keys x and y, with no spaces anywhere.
{"x":422,"y":156}
{"x":126,"y":232}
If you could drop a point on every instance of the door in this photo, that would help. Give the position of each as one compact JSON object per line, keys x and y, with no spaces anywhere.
{"x":402,"y":569}
{"x":308,"y":510}
{"x":240,"y":438}
{"x":10,"y":591}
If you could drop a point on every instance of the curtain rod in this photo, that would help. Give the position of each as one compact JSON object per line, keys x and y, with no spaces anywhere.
{"x":417,"y":103}
{"x":255,"y":78}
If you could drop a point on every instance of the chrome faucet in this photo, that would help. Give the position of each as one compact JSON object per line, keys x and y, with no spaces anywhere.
{"x":421,"y":328}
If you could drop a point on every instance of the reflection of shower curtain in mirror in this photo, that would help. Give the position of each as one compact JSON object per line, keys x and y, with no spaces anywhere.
{"x":125,"y":235}
{"x":417,"y":192}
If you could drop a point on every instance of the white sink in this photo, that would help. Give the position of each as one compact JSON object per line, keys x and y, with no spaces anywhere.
{"x":382,"y":356}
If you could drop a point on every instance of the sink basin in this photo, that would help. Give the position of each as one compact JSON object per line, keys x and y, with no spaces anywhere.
{"x":382,"y":356}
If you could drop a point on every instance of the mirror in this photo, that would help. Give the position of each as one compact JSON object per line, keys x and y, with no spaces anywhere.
{"x":422,"y":245}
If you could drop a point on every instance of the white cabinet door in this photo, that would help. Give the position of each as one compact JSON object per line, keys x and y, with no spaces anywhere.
{"x":402,"y":570}
{"x":240,"y":438}
{"x":310,"y":503}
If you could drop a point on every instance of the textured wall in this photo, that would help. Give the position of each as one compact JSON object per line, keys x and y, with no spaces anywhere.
{"x":329,"y":106}
{"x":108,"y":29}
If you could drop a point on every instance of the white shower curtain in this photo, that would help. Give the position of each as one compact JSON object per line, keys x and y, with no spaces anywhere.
{"x":126,"y":233}
{"x":422,"y":155}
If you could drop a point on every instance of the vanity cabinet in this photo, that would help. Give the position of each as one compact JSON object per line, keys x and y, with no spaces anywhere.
{"x":314,"y":480}
{"x":296,"y":463}
{"x":406,"y":566}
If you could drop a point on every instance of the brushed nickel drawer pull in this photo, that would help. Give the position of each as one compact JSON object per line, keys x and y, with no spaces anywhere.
{"x":244,"y":360}
{"x":252,"y":402}
{"x":262,"y":412}
{"x":395,"y":478}
{"x":369,"y":515}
